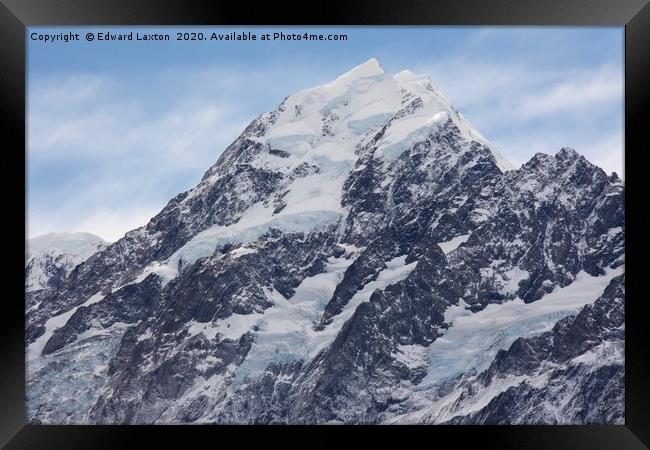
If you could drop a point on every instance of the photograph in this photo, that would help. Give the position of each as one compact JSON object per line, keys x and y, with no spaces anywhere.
{"x":325,"y":225}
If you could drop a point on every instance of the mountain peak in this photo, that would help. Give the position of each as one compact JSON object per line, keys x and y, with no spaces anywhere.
{"x":564,"y":164}
{"x":567,"y":153}
{"x":328,"y":122}
{"x":351,"y":224}
{"x":370,"y":68}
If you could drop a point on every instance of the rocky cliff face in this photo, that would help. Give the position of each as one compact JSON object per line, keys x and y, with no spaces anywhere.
{"x":571,"y":374}
{"x":361,"y":254}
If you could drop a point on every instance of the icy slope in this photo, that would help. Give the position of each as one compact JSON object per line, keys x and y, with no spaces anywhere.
{"x":571,"y":372}
{"x":474,"y":339}
{"x":51,"y":257}
{"x":311,"y":275}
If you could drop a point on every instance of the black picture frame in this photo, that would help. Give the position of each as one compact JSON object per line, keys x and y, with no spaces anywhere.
{"x":16,"y":15}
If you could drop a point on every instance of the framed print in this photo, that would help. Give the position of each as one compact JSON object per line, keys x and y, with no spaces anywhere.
{"x":406,"y":219}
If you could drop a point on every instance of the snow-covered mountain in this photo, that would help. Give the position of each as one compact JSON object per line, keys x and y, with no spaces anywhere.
{"x":360,"y":254}
{"x":51,"y":257}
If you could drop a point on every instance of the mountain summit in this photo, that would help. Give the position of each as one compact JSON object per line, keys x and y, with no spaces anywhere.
{"x":360,"y":254}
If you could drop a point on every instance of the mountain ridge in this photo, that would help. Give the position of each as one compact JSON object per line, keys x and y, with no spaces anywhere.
{"x":306,"y":277}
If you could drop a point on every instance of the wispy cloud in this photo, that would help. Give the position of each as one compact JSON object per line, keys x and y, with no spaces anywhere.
{"x":574,"y":92}
{"x":520,"y":107}
{"x":117,"y":153}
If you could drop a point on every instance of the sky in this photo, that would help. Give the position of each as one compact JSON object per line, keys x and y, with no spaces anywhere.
{"x":116,"y":129}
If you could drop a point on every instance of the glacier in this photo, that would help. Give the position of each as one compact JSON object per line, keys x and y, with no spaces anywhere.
{"x":359,"y":254}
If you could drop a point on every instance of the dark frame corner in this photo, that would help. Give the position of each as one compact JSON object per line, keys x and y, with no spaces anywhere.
{"x":634,"y":15}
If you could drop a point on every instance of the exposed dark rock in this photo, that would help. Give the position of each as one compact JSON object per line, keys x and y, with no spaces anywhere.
{"x":363,"y":253}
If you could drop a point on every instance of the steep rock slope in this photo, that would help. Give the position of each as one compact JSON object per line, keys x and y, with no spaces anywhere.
{"x":310,"y":276}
